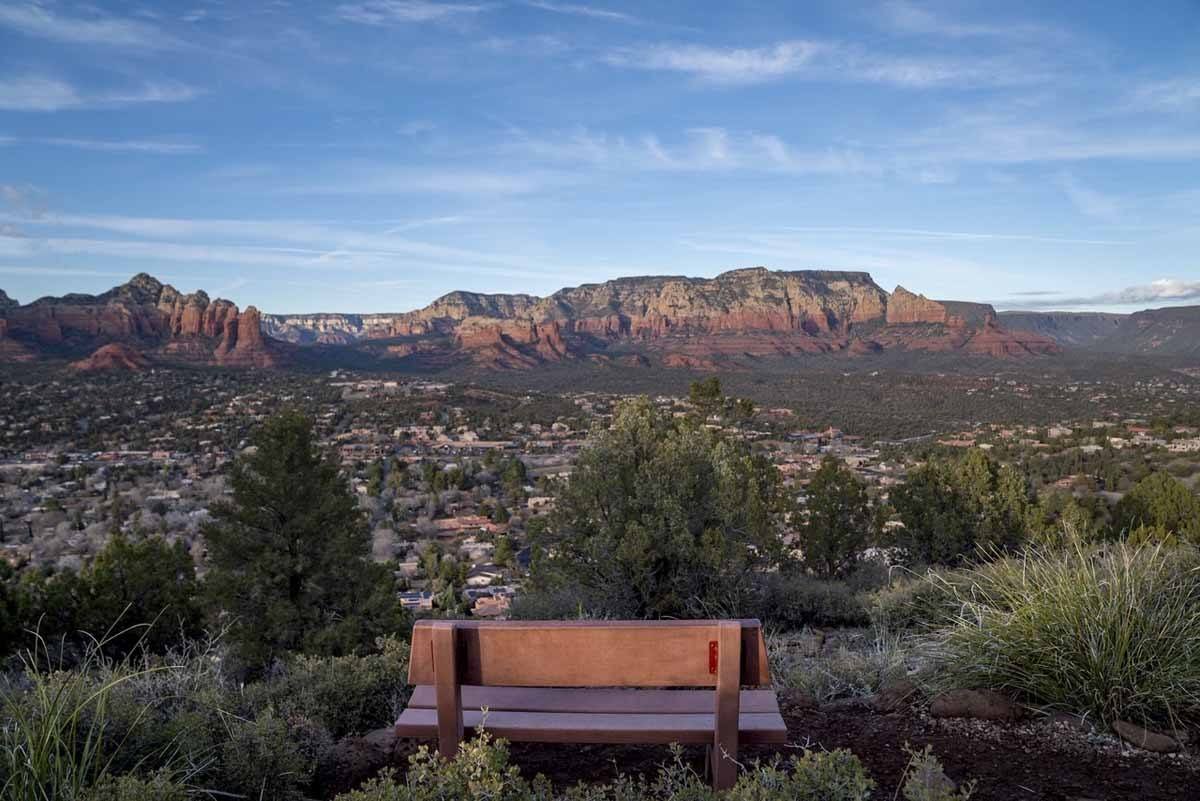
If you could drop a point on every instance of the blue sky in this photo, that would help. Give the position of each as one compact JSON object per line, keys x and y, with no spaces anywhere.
{"x":372,"y":155}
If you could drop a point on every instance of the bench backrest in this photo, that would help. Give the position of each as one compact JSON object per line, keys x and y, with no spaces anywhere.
{"x":655,"y":653}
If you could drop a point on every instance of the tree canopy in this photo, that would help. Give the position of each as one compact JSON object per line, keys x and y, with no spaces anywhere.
{"x":1159,"y":504}
{"x":839,"y":521}
{"x":663,"y":517}
{"x":955,"y":509}
{"x":288,"y":557}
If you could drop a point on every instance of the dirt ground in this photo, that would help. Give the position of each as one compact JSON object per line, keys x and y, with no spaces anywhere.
{"x":1031,"y":761}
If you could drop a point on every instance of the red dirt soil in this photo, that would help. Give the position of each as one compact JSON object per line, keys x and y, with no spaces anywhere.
{"x":1008,"y":763}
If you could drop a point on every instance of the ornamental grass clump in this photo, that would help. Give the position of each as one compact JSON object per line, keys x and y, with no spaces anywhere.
{"x":1110,"y":632}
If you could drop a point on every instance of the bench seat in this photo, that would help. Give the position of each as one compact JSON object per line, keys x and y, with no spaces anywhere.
{"x":597,"y":715}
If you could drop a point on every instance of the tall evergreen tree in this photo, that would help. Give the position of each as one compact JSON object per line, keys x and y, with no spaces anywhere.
{"x":839,"y":521}
{"x":957,"y":509}
{"x":289,"y":556}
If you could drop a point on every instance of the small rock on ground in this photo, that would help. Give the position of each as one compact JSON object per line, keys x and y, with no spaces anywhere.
{"x":1145,"y":739}
{"x":978,"y":704}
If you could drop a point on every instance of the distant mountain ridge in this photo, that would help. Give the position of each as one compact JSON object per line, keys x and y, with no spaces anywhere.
{"x":146,"y":316}
{"x":729,"y":321}
{"x":1069,"y":329}
{"x":681,"y":321}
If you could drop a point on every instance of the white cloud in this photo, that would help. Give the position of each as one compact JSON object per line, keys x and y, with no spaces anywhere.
{"x":966,"y":236}
{"x":579,"y":10}
{"x":1090,"y":201}
{"x":1175,"y":94}
{"x":1163,"y":290}
{"x":822,"y":60}
{"x":124,"y":146}
{"x":380,"y":179}
{"x":391,"y":12}
{"x":301,"y":243}
{"x":39,"y":21}
{"x":698,"y":149}
{"x":45,"y":94}
{"x":907,"y":17}
{"x":720,"y":65}
{"x":33,"y":93}
{"x":415,"y":128}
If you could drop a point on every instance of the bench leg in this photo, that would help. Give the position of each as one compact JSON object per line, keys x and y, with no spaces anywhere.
{"x":449,"y":691}
{"x":728,"y":696}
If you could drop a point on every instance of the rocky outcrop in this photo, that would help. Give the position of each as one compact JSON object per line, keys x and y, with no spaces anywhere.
{"x":143,"y":315}
{"x":6,"y":302}
{"x":243,"y":343}
{"x":726,"y":322}
{"x":113,"y":357}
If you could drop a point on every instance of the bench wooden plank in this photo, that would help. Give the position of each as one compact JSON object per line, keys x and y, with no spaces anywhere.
{"x":610,"y":699}
{"x":588,"y":653}
{"x":572,"y":727}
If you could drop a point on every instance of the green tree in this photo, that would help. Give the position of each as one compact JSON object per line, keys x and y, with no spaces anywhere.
{"x":289,"y":557}
{"x":706,"y":395}
{"x":1159,"y":502}
{"x":839,"y":521}
{"x":145,"y":586}
{"x":662,"y":517}
{"x":504,"y":554}
{"x":956,"y":509}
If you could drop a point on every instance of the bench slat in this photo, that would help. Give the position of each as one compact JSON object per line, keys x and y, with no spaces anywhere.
{"x":574,"y":727}
{"x":589,"y":700}
{"x":588,"y":653}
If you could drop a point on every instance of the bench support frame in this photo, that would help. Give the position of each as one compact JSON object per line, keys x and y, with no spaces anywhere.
{"x":449,"y":691}
{"x":727,"y":702}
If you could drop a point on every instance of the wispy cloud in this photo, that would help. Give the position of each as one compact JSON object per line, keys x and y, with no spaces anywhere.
{"x":45,"y":94}
{"x":279,"y":243}
{"x":394,"y":12}
{"x":98,"y":29}
{"x":822,"y":60}
{"x":1164,"y":290}
{"x":124,"y":146}
{"x":720,"y":65}
{"x":23,"y":200}
{"x":908,"y":17}
{"x":1090,"y":201}
{"x":1172,"y":94}
{"x":384,"y":179}
{"x":579,"y":10}
{"x":700,"y":149}
{"x":1036,"y":135}
{"x":416,"y":128}
{"x":967,"y":236}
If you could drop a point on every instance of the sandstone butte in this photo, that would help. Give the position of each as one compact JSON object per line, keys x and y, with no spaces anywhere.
{"x":675,"y":321}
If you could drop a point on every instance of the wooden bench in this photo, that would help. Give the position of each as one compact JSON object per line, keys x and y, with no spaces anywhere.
{"x":570,"y":682}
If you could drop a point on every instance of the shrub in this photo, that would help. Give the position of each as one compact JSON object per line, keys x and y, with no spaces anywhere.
{"x":793,"y":601}
{"x":161,"y":786}
{"x":54,"y":743}
{"x":346,"y":694}
{"x":848,"y":671}
{"x":925,"y":780}
{"x":917,"y":602}
{"x":261,"y":759}
{"x":1162,"y":503}
{"x":481,"y":770}
{"x":1113,"y":632}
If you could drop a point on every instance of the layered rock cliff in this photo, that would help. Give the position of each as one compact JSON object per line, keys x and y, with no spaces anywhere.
{"x":742,"y":314}
{"x":730,"y":320}
{"x":144,"y":315}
